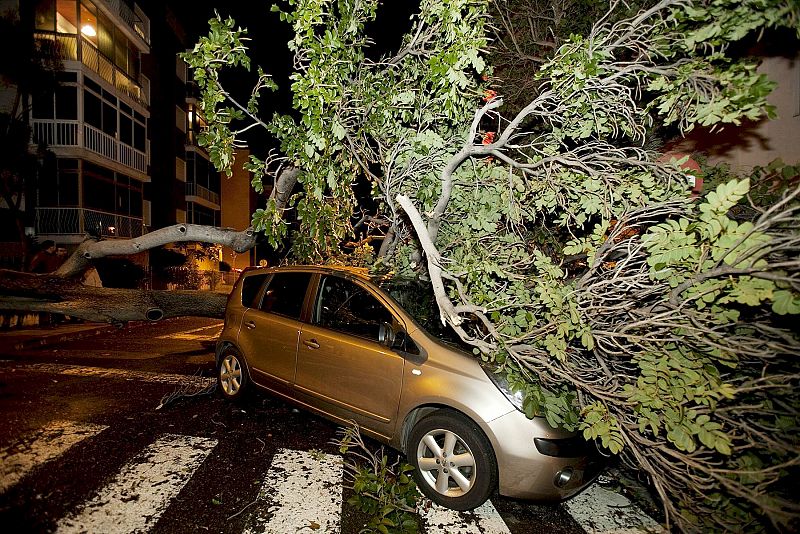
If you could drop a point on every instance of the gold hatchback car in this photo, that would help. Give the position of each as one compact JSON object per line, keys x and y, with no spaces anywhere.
{"x":349,"y":347}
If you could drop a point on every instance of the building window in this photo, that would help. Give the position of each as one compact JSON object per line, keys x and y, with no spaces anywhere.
{"x":196,"y":214}
{"x":105,"y":36}
{"x":110,"y":118}
{"x":67,"y":102}
{"x":58,"y":184}
{"x":109,"y":114}
{"x":60,"y":16}
{"x":59,"y":104}
{"x":45,"y":15}
{"x":98,"y":187}
{"x":139,"y":135}
{"x":201,"y":172}
{"x":105,"y":190}
{"x":92,"y":107}
{"x":89,"y":21}
{"x":96,"y":29}
{"x":125,"y":128}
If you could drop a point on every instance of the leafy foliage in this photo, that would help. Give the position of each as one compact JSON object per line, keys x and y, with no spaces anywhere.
{"x":385,"y":492}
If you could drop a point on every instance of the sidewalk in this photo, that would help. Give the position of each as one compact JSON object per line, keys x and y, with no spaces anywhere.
{"x":37,"y":337}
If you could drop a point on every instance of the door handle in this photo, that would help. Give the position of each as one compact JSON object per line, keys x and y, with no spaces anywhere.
{"x":311,"y":343}
{"x":250,"y":325}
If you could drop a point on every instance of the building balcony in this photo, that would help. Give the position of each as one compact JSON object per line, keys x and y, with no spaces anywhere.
{"x":80,"y":221}
{"x":65,"y":133}
{"x":195,"y":192}
{"x":77,"y":48}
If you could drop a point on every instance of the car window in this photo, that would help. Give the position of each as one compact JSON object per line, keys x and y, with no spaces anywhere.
{"x":349,"y":308}
{"x":250,"y":286}
{"x":417,"y":299}
{"x":285,"y":294}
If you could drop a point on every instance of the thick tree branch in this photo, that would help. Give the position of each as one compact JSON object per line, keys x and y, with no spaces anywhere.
{"x":91,"y":249}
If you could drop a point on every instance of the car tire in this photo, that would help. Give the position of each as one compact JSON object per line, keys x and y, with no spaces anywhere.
{"x":232,"y":378}
{"x":469,"y":475}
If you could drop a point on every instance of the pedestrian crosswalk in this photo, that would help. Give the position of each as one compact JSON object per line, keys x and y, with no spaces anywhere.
{"x":301,"y":491}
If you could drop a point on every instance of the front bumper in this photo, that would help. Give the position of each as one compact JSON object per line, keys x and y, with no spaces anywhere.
{"x":526,"y":473}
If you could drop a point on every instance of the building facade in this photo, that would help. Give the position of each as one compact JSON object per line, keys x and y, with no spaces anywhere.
{"x":95,"y":122}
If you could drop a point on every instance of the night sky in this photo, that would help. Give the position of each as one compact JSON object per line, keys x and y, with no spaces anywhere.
{"x":269,"y":37}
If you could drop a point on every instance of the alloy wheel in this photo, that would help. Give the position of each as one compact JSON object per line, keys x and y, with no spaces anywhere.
{"x":446,"y":463}
{"x":230,"y":374}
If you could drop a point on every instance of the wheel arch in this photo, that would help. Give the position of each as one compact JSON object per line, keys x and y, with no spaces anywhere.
{"x":222,"y":346}
{"x":423,"y":410}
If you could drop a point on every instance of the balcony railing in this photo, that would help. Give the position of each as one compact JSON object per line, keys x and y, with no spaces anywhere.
{"x":199,"y":191}
{"x":72,"y":133}
{"x":79,"y":221}
{"x":92,"y":58}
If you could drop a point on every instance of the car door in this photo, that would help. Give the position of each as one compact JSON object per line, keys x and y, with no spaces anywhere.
{"x":270,"y":331}
{"x":341,"y":361}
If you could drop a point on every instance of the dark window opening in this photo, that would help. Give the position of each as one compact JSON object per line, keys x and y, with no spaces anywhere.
{"x":67,"y":102}
{"x":109,"y":119}
{"x":285,"y":294}
{"x":92,"y":107}
{"x":42,"y":106}
{"x":250,"y":287}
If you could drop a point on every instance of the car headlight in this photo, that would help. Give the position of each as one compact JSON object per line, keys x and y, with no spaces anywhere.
{"x":499,"y":379}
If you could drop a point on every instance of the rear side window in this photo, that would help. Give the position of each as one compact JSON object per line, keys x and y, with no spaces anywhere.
{"x":250,"y":287}
{"x":285,"y":294}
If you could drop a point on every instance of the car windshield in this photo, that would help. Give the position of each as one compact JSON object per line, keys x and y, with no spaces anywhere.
{"x":418,"y":300}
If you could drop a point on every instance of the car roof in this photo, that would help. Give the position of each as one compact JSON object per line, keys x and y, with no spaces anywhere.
{"x":358,"y":272}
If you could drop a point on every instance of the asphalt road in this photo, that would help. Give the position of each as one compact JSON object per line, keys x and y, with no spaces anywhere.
{"x":87,"y":444}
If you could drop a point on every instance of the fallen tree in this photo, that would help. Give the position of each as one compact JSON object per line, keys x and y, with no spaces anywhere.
{"x":63,"y":291}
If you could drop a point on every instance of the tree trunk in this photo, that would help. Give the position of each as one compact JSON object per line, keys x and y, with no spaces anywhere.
{"x":68,"y":296}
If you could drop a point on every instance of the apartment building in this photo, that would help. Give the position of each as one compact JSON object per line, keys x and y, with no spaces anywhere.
{"x":95,"y":122}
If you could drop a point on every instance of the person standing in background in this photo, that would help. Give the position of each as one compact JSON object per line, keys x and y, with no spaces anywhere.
{"x":48,"y":259}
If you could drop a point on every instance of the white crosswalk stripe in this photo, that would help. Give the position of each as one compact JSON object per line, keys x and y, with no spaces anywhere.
{"x":42,"y":446}
{"x":305,"y":494}
{"x":135,"y":499}
{"x":483,"y":520}
{"x":599,"y":511}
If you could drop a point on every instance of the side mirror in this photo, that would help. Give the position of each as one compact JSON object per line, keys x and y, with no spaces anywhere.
{"x":386,"y":335}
